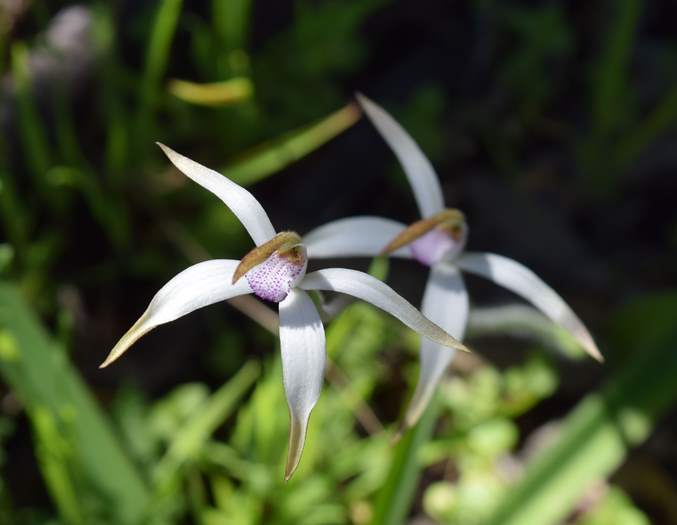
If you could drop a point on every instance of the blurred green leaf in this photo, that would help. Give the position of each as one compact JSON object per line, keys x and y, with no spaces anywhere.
{"x":279,"y":153}
{"x":222,"y":93}
{"x":56,"y":398}
{"x":395,"y":497}
{"x":157,"y":56}
{"x":205,"y":418}
{"x":598,"y":434}
{"x":33,"y":134}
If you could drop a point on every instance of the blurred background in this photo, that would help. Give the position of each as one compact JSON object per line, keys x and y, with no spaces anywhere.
{"x":551,"y":125}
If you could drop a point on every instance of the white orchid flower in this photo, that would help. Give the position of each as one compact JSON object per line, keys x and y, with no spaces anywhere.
{"x":275,"y":271}
{"x":437,"y":241}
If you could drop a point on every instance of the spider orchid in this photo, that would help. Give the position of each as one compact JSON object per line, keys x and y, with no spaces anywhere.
{"x":275,"y":270}
{"x":437,"y":241}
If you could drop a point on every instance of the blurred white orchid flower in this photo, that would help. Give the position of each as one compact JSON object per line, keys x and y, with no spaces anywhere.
{"x":275,"y":271}
{"x":436,"y":241}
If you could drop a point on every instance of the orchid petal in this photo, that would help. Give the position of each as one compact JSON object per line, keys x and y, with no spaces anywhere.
{"x":522,"y":281}
{"x":199,"y":285}
{"x":445,"y":302}
{"x":369,"y":289}
{"x":353,"y":237}
{"x":242,"y":203}
{"x":303,"y":360}
{"x":417,"y":167}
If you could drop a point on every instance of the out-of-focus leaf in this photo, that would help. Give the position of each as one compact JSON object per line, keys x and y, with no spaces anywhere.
{"x":394,"y":499}
{"x":157,"y":56}
{"x":206,"y":418}
{"x":597,"y":435}
{"x":213,"y":94}
{"x":55,"y":455}
{"x":279,"y":153}
{"x":56,"y":398}
{"x":33,"y":136}
{"x":648,"y":130}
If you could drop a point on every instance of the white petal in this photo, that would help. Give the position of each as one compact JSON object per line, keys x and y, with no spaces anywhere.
{"x":242,"y":203}
{"x":417,"y":167}
{"x":445,"y":302}
{"x":354,"y":237}
{"x":522,"y":281}
{"x":369,"y":289}
{"x":200,"y":285}
{"x":303,"y":360}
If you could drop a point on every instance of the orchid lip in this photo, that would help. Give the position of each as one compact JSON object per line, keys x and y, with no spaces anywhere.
{"x":450,"y":221}
{"x":275,"y":267}
{"x":282,"y":243}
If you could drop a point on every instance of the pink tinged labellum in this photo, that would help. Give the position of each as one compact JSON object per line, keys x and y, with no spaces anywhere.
{"x":273,"y":279}
{"x":437,"y":245}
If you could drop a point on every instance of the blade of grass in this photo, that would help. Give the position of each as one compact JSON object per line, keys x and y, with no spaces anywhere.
{"x":648,"y":130}
{"x":55,"y":455}
{"x":397,"y":494}
{"x":116,"y":114}
{"x":198,"y":430}
{"x":157,"y":55}
{"x":223,"y":93}
{"x":44,"y":380}
{"x":33,"y":135}
{"x":231,"y":25}
{"x":598,"y":434}
{"x":231,"y":21}
{"x":610,"y":75}
{"x":279,"y":153}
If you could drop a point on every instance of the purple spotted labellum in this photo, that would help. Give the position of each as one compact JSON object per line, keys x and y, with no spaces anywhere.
{"x":275,"y":270}
{"x":437,"y":241}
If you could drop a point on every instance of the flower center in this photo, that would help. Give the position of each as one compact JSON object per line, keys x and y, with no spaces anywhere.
{"x":438,"y":244}
{"x":431,"y":240}
{"x":273,"y":279}
{"x":275,"y":267}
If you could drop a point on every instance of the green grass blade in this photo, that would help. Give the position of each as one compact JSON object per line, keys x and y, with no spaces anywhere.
{"x":157,"y":57}
{"x":55,"y":455}
{"x":395,"y":498}
{"x":610,"y":76}
{"x":595,"y":439}
{"x":277,"y":154}
{"x":648,"y":130}
{"x":188,"y":443}
{"x":33,"y":134}
{"x":223,"y":93}
{"x":231,"y":22}
{"x":51,"y":389}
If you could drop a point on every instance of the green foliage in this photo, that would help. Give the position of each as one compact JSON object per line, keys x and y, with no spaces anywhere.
{"x":84,"y":466}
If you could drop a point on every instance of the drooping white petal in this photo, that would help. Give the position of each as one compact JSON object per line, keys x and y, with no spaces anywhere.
{"x":199,"y":285}
{"x":417,"y":167}
{"x":369,"y":289}
{"x":354,"y":237}
{"x":445,"y":302}
{"x":303,"y":360}
{"x":242,"y":203}
{"x":522,"y":281}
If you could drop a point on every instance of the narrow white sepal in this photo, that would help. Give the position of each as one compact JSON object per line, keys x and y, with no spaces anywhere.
{"x":354,"y":237}
{"x":417,"y":167}
{"x":242,"y":203}
{"x":522,"y":281}
{"x":303,"y":360}
{"x":199,"y":285}
{"x":445,"y":302}
{"x":369,"y":289}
